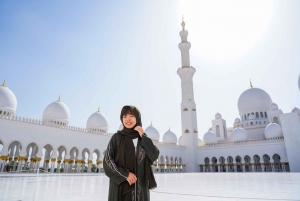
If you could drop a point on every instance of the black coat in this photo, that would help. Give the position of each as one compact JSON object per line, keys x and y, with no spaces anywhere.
{"x":118,"y":174}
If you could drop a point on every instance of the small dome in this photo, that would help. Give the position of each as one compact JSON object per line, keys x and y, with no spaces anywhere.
{"x":121,"y":127}
{"x":296,"y":110}
{"x":273,"y":130}
{"x":8,"y":100}
{"x":182,"y":140}
{"x":252,"y":99}
{"x":239,"y":134}
{"x":251,"y":117}
{"x":152,"y":133}
{"x":57,"y":112}
{"x":169,"y":138}
{"x":273,"y":106}
{"x":210,"y":138}
{"x":97,"y":122}
{"x":237,"y":120}
{"x":218,"y":116}
{"x":199,"y":142}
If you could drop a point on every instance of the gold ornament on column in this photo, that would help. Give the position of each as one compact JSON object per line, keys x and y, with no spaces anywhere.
{"x":53,"y":159}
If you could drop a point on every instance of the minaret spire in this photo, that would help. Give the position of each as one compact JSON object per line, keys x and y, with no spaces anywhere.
{"x":251,"y":84}
{"x":4,"y":83}
{"x":183,"y":23}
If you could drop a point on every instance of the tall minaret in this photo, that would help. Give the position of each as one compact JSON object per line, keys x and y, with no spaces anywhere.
{"x":188,"y":106}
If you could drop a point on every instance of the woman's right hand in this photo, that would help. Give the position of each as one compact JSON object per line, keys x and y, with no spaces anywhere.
{"x":131,"y":178}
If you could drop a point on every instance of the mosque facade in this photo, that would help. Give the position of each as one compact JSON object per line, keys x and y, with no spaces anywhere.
{"x":262,"y":139}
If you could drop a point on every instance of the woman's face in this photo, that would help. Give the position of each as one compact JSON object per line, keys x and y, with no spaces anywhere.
{"x":129,"y":120}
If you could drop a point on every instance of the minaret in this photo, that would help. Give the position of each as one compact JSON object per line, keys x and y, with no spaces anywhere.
{"x":188,"y":106}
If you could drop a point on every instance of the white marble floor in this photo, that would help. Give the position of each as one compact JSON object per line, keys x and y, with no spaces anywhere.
{"x":179,"y":187}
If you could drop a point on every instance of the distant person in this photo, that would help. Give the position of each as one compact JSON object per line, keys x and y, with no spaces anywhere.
{"x":129,"y":169}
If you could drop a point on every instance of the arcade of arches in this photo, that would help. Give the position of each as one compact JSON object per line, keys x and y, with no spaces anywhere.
{"x":245,"y":164}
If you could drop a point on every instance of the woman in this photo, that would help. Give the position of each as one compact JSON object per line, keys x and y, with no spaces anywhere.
{"x":129,"y":168}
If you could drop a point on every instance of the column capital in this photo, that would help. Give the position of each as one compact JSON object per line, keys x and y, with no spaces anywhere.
{"x":90,"y":161}
{"x":4,"y":158}
{"x":38,"y":159}
{"x":66,"y":160}
{"x":21,"y":158}
{"x":99,"y":162}
{"x":53,"y":159}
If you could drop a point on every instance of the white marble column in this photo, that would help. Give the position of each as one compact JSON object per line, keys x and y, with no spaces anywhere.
{"x":58,"y":166}
{"x":37,"y":164}
{"x":89,"y":166}
{"x":52,"y":165}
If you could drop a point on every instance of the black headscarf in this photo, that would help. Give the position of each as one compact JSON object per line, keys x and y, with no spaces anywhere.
{"x":127,"y":157}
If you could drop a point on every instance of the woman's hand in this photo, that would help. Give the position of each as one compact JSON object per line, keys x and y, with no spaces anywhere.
{"x":140,"y":130}
{"x":131,"y":178}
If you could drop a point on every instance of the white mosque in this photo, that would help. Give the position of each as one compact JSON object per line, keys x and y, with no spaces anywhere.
{"x":263,"y":139}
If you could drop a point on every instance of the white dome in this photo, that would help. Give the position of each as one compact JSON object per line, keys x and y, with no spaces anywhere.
{"x":218,"y":116}
{"x":97,"y":122}
{"x":251,"y":117}
{"x":296,"y":110}
{"x":170,"y":138}
{"x":253,"y":98}
{"x":152,"y":133}
{"x":182,"y":140}
{"x":121,"y":127}
{"x":237,"y":120}
{"x":199,"y":142}
{"x":8,"y":100}
{"x":239,"y":134}
{"x":273,"y":130}
{"x":210,"y":138}
{"x":57,"y":111}
{"x":273,"y":106}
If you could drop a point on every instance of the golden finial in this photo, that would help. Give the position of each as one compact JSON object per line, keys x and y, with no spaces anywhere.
{"x":183,"y":23}
{"x":58,"y":98}
{"x":151,"y":123}
{"x":169,"y":128}
{"x":4,"y":83}
{"x":98,"y":109}
{"x":251,"y":84}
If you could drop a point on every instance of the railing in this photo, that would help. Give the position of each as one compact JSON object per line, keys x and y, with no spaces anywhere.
{"x":52,"y":124}
{"x":276,"y":140}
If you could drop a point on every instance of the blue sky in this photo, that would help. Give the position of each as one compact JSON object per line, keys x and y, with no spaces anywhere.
{"x":113,"y":53}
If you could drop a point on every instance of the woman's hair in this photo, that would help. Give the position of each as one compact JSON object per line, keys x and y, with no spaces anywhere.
{"x":126,"y":110}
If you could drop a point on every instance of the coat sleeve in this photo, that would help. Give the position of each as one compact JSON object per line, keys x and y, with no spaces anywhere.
{"x":151,"y":150}
{"x":115,"y":173}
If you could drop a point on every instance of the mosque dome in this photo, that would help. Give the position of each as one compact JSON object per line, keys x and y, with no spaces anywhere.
{"x":251,"y":117}
{"x":8,"y":100}
{"x":57,"y":112}
{"x":199,"y":142}
{"x":169,"y":137}
{"x":237,"y":120}
{"x":296,"y":110}
{"x":273,"y":130}
{"x":152,"y":133}
{"x":239,"y":134}
{"x":210,"y":138}
{"x":218,"y":116}
{"x":253,"y":98}
{"x":97,"y":122}
{"x":182,"y":140}
{"x":273,"y":106}
{"x":121,"y":127}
